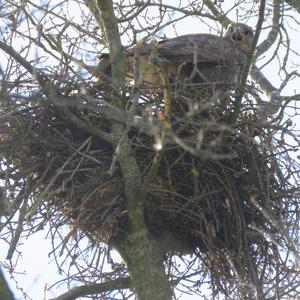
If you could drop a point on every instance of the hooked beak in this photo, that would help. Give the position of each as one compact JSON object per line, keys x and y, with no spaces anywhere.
{"x":236,"y":34}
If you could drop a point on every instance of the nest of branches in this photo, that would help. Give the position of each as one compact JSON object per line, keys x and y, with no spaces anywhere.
{"x":218,"y":187}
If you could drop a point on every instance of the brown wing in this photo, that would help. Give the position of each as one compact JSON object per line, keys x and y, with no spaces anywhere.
{"x":216,"y":57}
{"x":209,"y":48}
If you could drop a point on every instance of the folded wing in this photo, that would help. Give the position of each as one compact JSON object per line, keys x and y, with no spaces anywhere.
{"x":215,"y":58}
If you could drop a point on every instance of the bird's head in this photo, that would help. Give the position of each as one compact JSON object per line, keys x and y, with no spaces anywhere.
{"x":241,"y":35}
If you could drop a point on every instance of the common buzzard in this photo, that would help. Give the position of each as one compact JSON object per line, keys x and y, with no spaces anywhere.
{"x":200,"y":58}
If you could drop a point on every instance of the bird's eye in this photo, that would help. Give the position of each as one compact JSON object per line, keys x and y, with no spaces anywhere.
{"x":248,"y":32}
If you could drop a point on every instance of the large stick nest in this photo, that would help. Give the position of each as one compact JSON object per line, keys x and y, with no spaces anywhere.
{"x":218,"y":187}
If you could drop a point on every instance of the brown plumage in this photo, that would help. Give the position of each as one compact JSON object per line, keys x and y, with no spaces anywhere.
{"x":200,"y":58}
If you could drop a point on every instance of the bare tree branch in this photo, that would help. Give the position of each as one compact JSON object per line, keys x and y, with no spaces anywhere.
{"x":86,"y":290}
{"x":113,"y":38}
{"x":295,"y":4}
{"x":52,"y":93}
{"x":244,"y":76}
{"x":221,"y":17}
{"x":273,"y":33}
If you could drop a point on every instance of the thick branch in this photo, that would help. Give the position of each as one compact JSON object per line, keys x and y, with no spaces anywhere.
{"x":129,"y":165}
{"x":5,"y":292}
{"x":262,"y":81}
{"x":241,"y":91}
{"x":110,"y":25}
{"x":221,"y":17}
{"x":91,"y":4}
{"x":272,"y":35}
{"x":140,"y":250}
{"x":256,"y":74}
{"x":295,"y":4}
{"x":91,"y":129}
{"x":86,"y":290}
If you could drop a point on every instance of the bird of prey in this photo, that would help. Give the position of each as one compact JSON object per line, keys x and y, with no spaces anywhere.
{"x":201,"y":58}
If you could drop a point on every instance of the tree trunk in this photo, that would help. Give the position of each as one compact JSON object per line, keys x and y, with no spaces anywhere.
{"x":145,"y":264}
{"x":139,"y":249}
{"x":142,"y":253}
{"x":5,"y":292}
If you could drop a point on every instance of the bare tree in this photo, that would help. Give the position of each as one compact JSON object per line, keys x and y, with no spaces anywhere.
{"x":207,"y":200}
